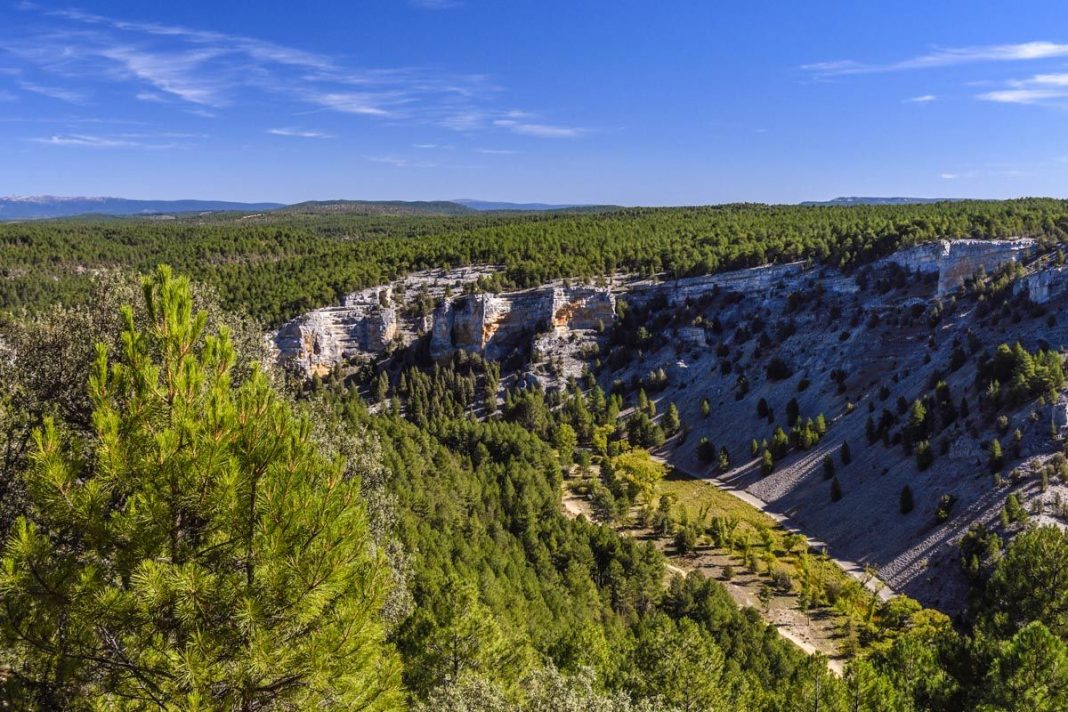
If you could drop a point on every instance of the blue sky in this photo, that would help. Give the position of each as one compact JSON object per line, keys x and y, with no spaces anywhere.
{"x":654,"y":103}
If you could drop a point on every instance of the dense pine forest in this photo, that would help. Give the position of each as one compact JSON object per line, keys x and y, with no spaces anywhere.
{"x":275,"y":266}
{"x":187,"y":529}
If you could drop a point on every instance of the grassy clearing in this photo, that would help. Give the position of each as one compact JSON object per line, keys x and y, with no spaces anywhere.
{"x":694,"y":496}
{"x":721,"y":522}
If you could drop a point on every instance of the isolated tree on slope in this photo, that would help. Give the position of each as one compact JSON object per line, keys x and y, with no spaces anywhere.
{"x":197,"y":551}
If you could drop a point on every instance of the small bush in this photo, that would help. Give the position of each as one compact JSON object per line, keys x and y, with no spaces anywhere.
{"x":778,"y":369}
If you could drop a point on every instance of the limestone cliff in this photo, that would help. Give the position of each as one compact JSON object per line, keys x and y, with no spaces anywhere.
{"x":1044,"y":284}
{"x":318,"y":340}
{"x":494,"y":325}
{"x":369,"y":321}
{"x":956,"y":260}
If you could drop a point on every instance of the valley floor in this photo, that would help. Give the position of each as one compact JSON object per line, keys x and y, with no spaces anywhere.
{"x":813,"y":631}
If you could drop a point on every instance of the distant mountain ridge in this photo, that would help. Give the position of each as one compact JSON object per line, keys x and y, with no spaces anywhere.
{"x":49,"y":206}
{"x":858,"y":200}
{"x":39,"y":207}
{"x":377,"y":207}
{"x":493,"y":205}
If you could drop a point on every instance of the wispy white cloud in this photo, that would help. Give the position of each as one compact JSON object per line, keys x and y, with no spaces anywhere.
{"x":299,"y":133}
{"x":922,"y":99}
{"x":947,"y":57}
{"x":258,"y":49}
{"x":174,"y":73}
{"x":59,"y":93}
{"x":91,"y":141}
{"x":1023,"y":96}
{"x":401,"y":162}
{"x":7,"y":96}
{"x":1055,"y":80}
{"x":364,"y":103}
{"x":540,"y":130}
{"x":990,"y":171}
{"x":496,"y":151}
{"x":1038,"y":89}
{"x":205,"y":72}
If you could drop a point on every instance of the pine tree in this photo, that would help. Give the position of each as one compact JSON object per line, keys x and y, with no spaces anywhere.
{"x":918,"y":419}
{"x":836,"y":490}
{"x":205,"y":555}
{"x":847,"y":457}
{"x":780,"y":443}
{"x":382,"y":387}
{"x":905,"y":502}
{"x":644,"y":405}
{"x":820,"y":425}
{"x":672,"y":420}
{"x":767,"y":463}
{"x":924,"y":455}
{"x":724,"y":460}
{"x":828,"y":467}
{"x":997,"y":458}
{"x":706,"y":408}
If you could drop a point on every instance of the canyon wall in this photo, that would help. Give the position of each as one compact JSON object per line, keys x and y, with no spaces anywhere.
{"x":315,"y":342}
{"x":369,"y":321}
{"x":494,"y":324}
{"x":956,"y":260}
{"x":1044,"y":284}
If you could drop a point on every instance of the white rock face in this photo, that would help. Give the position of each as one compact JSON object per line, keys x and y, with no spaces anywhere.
{"x":956,"y":260}
{"x":757,"y":281}
{"x":1044,"y":284}
{"x":1059,"y":414}
{"x":365,"y":323}
{"x":494,"y":325}
{"x":318,"y":340}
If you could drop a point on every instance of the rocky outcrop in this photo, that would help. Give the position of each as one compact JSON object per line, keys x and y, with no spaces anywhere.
{"x":494,"y":325}
{"x":319,"y":340}
{"x":1044,"y":284}
{"x":369,"y":321}
{"x":956,"y":260}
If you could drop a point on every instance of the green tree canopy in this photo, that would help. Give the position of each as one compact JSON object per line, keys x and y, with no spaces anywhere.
{"x":197,"y":551}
